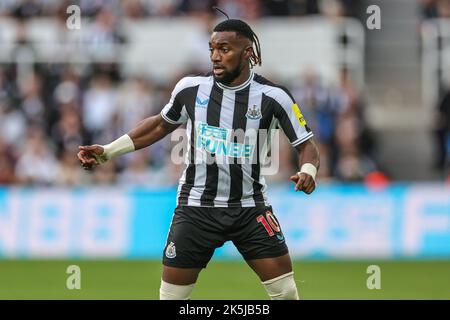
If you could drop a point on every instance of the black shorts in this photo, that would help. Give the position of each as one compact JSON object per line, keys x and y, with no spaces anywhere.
{"x":196,"y":232}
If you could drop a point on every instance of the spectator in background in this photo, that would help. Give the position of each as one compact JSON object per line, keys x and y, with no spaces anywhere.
{"x":242,"y":9}
{"x":431,"y":9}
{"x":5,"y":7}
{"x":428,"y":9}
{"x":193,"y":7}
{"x":332,"y":8}
{"x":7,"y":175}
{"x":349,"y":94}
{"x":32,"y":104}
{"x":197,"y":44}
{"x":277,"y":7}
{"x":134,"y":9}
{"x":99,"y":104}
{"x":23,"y":56}
{"x":68,"y":174}
{"x":26,"y":9}
{"x":443,"y":7}
{"x":442,"y":134}
{"x":103,"y":35}
{"x":161,"y":7}
{"x":351,"y":165}
{"x":67,"y":90}
{"x":353,"y":105}
{"x":91,"y":8}
{"x":311,"y":7}
{"x":136,"y":100}
{"x":140,"y":172}
{"x":8,"y":87}
{"x":138,"y":9}
{"x":137,"y":173}
{"x":110,"y":129}
{"x":37,"y":165}
{"x":320,"y":107}
{"x":7,"y":159}
{"x":107,"y":175}
{"x":291,"y":7}
{"x":12,"y":124}
{"x":68,"y":132}
{"x":251,"y":10}
{"x":353,"y":141}
{"x":353,"y":8}
{"x":65,"y":37}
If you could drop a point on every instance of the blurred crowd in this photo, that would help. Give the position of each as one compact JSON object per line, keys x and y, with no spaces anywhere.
{"x":337,"y":116}
{"x":138,"y":9}
{"x":48,"y":110}
{"x":431,"y":9}
{"x":440,"y":9}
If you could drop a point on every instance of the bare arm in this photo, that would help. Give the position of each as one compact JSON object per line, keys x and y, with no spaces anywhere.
{"x":150,"y":130}
{"x":147,"y":132}
{"x":308,"y":153}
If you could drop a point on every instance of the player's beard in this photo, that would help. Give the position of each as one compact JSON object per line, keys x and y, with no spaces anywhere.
{"x":229,"y":76}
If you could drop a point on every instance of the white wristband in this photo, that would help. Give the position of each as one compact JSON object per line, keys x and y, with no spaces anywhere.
{"x":120,"y":146}
{"x":309,"y":169}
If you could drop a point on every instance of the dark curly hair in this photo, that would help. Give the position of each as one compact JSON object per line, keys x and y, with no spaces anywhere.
{"x":242,"y":29}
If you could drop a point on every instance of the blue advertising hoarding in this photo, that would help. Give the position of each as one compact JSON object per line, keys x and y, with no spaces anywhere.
{"x":336,"y":221}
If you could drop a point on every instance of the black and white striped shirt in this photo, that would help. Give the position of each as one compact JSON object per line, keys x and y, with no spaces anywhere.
{"x":217,"y":173}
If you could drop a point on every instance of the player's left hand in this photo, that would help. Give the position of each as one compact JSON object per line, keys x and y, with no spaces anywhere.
{"x":304,"y":182}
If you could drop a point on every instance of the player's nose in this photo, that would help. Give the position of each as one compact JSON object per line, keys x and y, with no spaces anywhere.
{"x":215,"y":56}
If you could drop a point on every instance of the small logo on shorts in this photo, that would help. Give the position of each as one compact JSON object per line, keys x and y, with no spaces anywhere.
{"x":171,"y":251}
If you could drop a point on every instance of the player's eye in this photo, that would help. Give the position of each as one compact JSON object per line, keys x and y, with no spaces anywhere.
{"x":224,"y":50}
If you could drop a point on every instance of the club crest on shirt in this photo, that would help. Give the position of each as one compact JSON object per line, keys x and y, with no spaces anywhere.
{"x":253,"y":112}
{"x":171,"y":251}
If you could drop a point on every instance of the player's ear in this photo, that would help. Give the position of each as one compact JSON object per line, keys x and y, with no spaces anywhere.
{"x":248,"y":52}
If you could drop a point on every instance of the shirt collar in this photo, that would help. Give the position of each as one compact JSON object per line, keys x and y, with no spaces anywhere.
{"x":239,"y":87}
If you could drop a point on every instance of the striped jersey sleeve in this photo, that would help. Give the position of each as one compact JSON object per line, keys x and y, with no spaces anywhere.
{"x":290,"y":117}
{"x":174,"y":111}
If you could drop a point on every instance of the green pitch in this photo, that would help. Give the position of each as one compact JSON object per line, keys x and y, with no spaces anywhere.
{"x":111,"y":279}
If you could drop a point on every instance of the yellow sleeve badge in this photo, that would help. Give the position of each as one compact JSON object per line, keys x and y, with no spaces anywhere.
{"x":298,"y":114}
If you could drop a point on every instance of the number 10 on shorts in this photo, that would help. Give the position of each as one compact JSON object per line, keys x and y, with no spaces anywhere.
{"x":269,"y":222}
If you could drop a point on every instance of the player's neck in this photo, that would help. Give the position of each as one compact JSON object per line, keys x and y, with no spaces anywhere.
{"x":242,"y":79}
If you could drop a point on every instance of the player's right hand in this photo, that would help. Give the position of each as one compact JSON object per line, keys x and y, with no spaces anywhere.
{"x":90,"y":156}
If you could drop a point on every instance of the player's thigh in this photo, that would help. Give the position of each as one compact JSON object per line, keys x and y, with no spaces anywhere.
{"x":180,"y":276}
{"x":261,"y":242}
{"x":270,"y":268}
{"x":191,"y":241}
